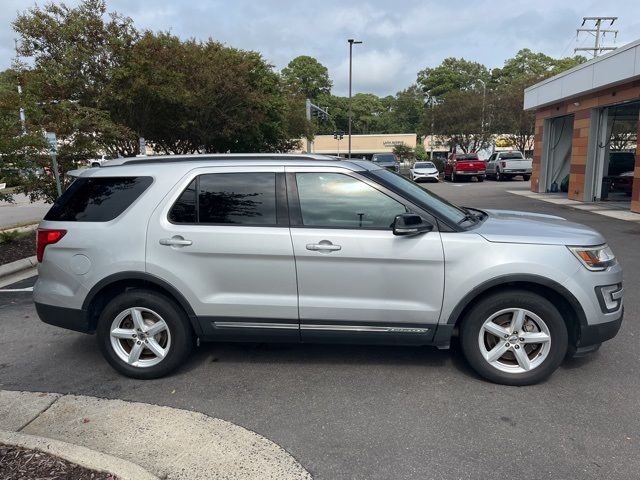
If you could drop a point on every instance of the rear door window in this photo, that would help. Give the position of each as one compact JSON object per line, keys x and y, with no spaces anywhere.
{"x":97,"y":199}
{"x":228,"y":198}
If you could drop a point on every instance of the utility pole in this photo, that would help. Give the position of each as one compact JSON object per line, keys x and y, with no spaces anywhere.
{"x":23,"y":119}
{"x":351,"y":42}
{"x":597,"y":32}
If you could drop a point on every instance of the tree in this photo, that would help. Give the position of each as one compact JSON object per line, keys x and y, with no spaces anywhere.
{"x":403,"y":152}
{"x":307,"y":76}
{"x":508,"y":84}
{"x":458,"y":116}
{"x":405,"y":111}
{"x":453,"y":74}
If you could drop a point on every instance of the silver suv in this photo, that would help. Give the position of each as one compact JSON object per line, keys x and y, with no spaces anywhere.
{"x":154,"y":254}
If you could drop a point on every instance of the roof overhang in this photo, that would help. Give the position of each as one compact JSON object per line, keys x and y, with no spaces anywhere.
{"x":614,"y":68}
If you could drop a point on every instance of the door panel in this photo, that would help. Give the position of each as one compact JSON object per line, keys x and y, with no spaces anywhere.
{"x":234,"y":276}
{"x":354,"y":275}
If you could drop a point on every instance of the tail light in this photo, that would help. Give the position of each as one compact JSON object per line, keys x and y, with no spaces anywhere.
{"x":503,"y":164}
{"x":47,"y":236}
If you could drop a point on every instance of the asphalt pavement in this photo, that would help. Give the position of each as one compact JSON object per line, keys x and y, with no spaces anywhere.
{"x":21,"y":211}
{"x":374,"y":412}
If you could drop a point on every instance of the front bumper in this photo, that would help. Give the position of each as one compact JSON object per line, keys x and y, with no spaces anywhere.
{"x":594,"y":335}
{"x":69,"y":318}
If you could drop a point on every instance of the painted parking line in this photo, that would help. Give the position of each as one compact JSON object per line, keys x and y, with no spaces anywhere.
{"x":13,"y":290}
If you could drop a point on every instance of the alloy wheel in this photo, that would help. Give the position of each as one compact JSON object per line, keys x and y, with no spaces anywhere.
{"x":514,"y":340}
{"x":140,"y":337}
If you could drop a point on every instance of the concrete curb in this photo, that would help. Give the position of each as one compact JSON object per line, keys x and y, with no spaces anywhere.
{"x":171,"y":443}
{"x":82,"y":456}
{"x":17,"y":266}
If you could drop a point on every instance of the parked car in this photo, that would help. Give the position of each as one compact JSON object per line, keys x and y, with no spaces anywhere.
{"x":98,"y":162}
{"x":464,"y":165}
{"x":386,"y":160}
{"x":622,"y":183}
{"x":506,"y":165}
{"x":152,"y":254}
{"x":424,"y":171}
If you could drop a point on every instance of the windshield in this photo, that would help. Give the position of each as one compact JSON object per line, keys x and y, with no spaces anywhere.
{"x":421,"y":196}
{"x":424,"y":165}
{"x":390,"y":157}
{"x":467,"y":157}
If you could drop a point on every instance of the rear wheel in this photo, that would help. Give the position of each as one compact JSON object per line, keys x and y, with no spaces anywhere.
{"x":526,"y":178}
{"x":143,"y":334}
{"x":480,"y":179}
{"x":514,"y":337}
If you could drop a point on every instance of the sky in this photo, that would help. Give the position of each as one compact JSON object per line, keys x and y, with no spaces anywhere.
{"x":401,"y":37}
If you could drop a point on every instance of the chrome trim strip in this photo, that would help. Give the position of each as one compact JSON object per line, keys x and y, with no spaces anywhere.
{"x":288,"y":326}
{"x":363,"y":328}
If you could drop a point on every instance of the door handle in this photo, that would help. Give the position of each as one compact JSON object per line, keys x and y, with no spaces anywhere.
{"x":323,"y":246}
{"x":175,"y":241}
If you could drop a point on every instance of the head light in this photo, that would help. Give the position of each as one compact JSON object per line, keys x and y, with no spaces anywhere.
{"x":595,"y":258}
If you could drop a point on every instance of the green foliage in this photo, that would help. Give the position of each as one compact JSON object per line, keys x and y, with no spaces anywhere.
{"x":452,"y":75}
{"x":403,"y":152}
{"x":308,"y":77}
{"x":7,"y":236}
{"x":420,"y":153}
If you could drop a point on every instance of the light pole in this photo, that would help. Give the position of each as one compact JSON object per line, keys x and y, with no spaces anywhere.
{"x":484,"y":96}
{"x":351,"y":42}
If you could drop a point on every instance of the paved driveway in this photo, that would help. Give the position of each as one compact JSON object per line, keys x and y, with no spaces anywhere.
{"x":21,"y":211}
{"x":369,"y":412}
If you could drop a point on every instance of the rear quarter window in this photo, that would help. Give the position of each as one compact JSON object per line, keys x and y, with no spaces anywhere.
{"x":97,"y":199}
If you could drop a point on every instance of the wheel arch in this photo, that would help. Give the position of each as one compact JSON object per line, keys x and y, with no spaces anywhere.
{"x":109,"y":287}
{"x":569,"y":307}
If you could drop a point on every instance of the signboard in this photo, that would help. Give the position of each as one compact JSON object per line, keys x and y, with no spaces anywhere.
{"x":392,"y":143}
{"x":53,"y":143}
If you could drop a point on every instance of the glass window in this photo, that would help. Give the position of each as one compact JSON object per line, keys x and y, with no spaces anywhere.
{"x":184,"y":210}
{"x":97,"y":199}
{"x":418,"y":195}
{"x":228,"y":198}
{"x":334,"y":200}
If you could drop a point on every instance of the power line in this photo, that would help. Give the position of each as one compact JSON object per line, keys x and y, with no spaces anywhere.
{"x":598,"y":33}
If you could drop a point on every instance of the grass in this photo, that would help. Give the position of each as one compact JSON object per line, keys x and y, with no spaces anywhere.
{"x":7,"y":236}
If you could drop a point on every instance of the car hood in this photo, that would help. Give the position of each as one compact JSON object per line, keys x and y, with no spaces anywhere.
{"x":507,"y":226}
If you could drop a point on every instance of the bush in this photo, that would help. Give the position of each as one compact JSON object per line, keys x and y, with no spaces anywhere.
{"x":8,"y":236}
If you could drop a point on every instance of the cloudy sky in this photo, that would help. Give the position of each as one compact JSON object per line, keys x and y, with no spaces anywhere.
{"x":400,"y":37}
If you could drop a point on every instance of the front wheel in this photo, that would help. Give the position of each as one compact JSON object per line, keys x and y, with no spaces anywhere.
{"x":498,"y":176}
{"x":526,"y":178}
{"x":143,"y":334}
{"x":515,"y":337}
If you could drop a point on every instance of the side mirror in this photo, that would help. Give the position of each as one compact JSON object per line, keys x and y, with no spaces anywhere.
{"x":410,"y":224}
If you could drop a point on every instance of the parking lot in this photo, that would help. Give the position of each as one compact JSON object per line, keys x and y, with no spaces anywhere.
{"x":372,"y":412}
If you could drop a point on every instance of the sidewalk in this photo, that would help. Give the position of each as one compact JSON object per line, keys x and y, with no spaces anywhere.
{"x":166,"y":442}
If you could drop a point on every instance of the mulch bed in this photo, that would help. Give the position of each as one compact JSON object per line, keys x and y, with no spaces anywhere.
{"x":19,"y":248}
{"x":18,"y":463}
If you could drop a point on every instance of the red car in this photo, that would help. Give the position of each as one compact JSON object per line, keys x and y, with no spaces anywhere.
{"x":464,"y":165}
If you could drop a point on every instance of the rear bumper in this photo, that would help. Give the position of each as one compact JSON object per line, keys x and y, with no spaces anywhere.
{"x":69,"y":318}
{"x":472,"y":174}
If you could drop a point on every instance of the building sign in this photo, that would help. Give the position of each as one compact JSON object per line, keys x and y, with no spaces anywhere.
{"x":392,"y":143}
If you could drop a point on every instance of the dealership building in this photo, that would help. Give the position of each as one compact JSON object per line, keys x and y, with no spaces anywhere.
{"x":587,"y":129}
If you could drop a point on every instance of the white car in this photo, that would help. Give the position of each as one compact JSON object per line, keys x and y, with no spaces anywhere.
{"x":424,"y":171}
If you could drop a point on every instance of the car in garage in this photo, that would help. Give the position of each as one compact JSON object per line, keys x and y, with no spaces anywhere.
{"x":507,"y":165}
{"x":424,"y":171}
{"x":155,"y":254}
{"x":464,"y":166}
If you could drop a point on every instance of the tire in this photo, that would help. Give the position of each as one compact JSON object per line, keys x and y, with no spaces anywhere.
{"x":526,"y":178}
{"x":541,"y":319}
{"x":175,"y":341}
{"x":480,"y":179}
{"x":498,"y":176}
{"x":454,"y":177}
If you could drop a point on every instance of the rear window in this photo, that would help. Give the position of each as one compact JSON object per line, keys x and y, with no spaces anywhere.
{"x":468,"y":156}
{"x":511,"y":156}
{"x":98,"y":199}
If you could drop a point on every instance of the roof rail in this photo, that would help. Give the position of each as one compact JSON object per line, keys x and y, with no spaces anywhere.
{"x":219,"y":156}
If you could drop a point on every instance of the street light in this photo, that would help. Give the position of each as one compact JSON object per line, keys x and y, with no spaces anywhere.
{"x":484,"y":96}
{"x":351,"y":42}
